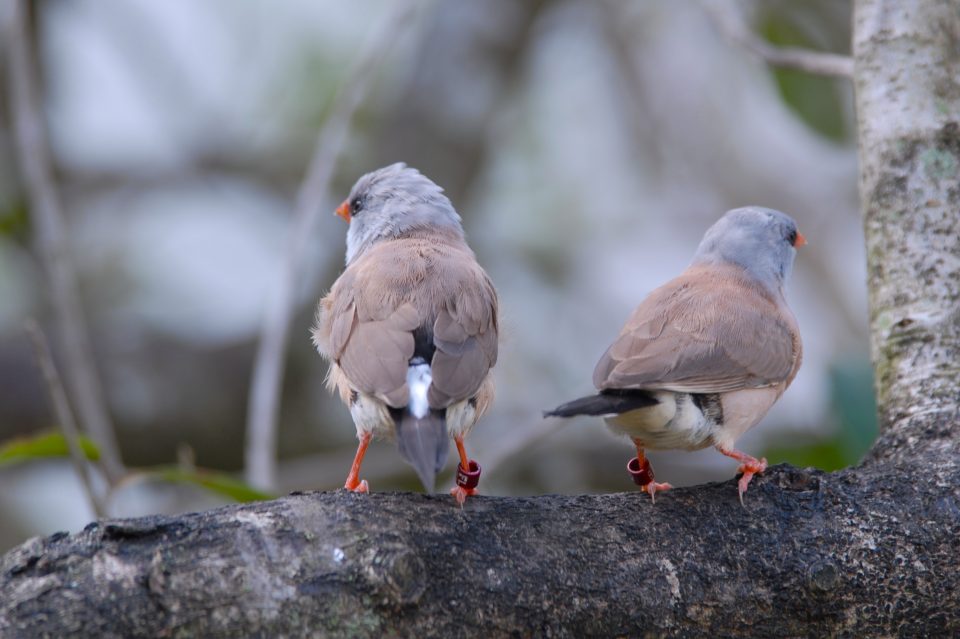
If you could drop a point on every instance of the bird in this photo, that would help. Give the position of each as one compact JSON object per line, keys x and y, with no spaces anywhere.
{"x":410,"y":327}
{"x":703,"y":358}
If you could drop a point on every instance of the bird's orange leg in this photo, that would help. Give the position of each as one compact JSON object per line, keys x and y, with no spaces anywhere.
{"x":642,"y":472}
{"x":749,"y":466}
{"x":468,"y":474}
{"x":354,"y":482}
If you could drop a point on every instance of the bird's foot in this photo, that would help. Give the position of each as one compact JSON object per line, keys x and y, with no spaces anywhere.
{"x":749,"y":469}
{"x":354,"y":482}
{"x":749,"y":466}
{"x":642,"y":473}
{"x":653,"y":487}
{"x":460,"y":494}
{"x":357,"y":485}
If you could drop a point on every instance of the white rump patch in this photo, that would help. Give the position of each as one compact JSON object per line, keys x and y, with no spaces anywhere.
{"x":418,"y":381}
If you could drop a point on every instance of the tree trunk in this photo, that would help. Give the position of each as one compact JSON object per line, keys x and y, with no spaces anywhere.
{"x":867,"y":551}
{"x":907,"y":75}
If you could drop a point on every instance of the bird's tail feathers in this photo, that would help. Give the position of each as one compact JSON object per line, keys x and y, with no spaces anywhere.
{"x":424,"y":443}
{"x":608,"y":402}
{"x":422,"y":432}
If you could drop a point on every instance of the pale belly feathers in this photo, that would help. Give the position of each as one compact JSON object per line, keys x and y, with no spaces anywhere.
{"x":680,"y":421}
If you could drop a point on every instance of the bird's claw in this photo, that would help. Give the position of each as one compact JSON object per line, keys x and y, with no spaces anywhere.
{"x":653,"y":487}
{"x":460,"y":494}
{"x":749,"y":469}
{"x":357,"y":486}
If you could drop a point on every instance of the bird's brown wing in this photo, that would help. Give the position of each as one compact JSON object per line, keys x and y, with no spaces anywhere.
{"x":707,"y":331}
{"x":465,"y":333}
{"x":367,"y":322}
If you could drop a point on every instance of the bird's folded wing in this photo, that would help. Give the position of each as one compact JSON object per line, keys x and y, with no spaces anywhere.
{"x":366,"y":327}
{"x":702,"y":334}
{"x":377,"y":352}
{"x":465,"y":334}
{"x":366,"y":323}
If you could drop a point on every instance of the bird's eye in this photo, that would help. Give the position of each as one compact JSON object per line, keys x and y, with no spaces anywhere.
{"x":792,"y":237}
{"x":355,"y":205}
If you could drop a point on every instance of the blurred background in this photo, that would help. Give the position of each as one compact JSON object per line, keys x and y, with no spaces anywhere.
{"x":587,"y":145}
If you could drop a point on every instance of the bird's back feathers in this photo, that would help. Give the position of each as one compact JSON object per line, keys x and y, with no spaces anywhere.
{"x":710,"y":330}
{"x":426,"y":283}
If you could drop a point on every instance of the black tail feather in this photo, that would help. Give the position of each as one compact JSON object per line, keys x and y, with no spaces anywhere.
{"x":608,"y":402}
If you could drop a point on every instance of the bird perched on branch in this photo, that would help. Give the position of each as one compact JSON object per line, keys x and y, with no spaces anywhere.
{"x":410,"y":327}
{"x":705,"y":356}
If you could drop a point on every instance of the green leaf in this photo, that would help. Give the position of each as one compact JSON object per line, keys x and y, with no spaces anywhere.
{"x":43,"y":446}
{"x":216,"y":482}
{"x":815,"y":99}
{"x":825,"y":454}
{"x":14,"y":219}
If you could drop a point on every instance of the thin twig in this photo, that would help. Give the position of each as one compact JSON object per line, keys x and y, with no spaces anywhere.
{"x":61,"y":408}
{"x":264,"y":401}
{"x":50,"y":239}
{"x":725,"y":16}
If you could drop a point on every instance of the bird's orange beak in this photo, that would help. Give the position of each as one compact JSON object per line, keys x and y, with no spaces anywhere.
{"x":344,"y":210}
{"x":800,"y":241}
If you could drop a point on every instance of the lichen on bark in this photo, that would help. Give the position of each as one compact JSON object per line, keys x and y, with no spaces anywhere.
{"x":907,"y":57}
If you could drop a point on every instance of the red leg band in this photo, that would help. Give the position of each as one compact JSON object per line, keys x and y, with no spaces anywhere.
{"x":468,"y":478}
{"x":642,"y":475}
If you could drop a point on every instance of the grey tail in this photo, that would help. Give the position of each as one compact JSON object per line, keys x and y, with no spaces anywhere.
{"x":608,"y":402}
{"x":424,"y":443}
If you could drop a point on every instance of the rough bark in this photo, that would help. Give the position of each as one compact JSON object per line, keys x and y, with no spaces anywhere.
{"x":869,"y":551}
{"x":907,"y":57}
{"x":866,"y":552}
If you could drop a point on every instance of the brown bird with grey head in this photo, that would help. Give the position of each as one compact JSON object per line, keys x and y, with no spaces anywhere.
{"x":410,"y":327}
{"x":705,"y":356}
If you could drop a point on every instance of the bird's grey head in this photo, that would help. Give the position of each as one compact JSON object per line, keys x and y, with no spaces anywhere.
{"x":391,"y":201}
{"x":762,"y":241}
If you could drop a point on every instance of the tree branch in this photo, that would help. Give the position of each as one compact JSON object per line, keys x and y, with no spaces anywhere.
{"x":51,"y":238}
{"x":264,"y":401}
{"x":61,"y":409}
{"x":868,"y":551}
{"x":724,"y":15}
{"x":812,"y":554}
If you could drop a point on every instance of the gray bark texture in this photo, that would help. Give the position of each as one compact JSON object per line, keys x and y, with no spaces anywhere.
{"x":868,"y":551}
{"x":907,"y":74}
{"x":865,"y":552}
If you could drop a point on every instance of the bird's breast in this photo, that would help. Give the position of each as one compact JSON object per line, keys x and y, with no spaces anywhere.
{"x":743,"y":409}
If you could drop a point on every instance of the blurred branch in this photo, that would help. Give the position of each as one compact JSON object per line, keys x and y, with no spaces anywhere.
{"x":734,"y":28}
{"x":51,"y":237}
{"x":417,"y":124}
{"x":264,"y":401}
{"x":620,"y":35}
{"x":275,"y":169}
{"x":61,"y":408}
